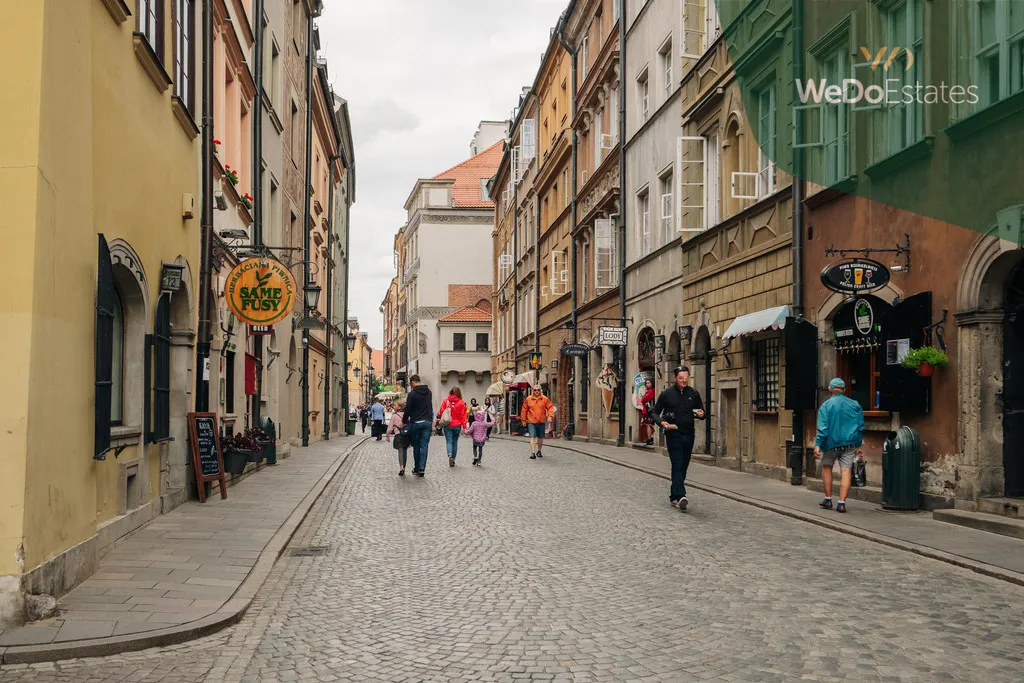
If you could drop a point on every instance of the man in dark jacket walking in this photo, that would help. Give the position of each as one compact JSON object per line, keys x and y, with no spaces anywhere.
{"x":676,"y":409}
{"x":364,"y":416}
{"x":419,"y":415}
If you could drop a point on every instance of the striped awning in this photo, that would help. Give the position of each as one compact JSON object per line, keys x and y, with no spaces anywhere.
{"x":768,"y":319}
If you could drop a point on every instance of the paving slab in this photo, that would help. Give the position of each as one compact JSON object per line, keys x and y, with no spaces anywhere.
{"x":185,"y":566}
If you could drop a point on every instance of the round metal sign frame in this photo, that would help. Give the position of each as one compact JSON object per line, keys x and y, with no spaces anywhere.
{"x":260,"y":291}
{"x":856,"y":276}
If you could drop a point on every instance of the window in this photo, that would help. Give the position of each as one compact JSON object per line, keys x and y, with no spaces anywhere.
{"x":615,"y":10}
{"x":584,"y":260}
{"x":482,"y":341}
{"x":565,"y":184}
{"x":904,"y":27}
{"x":766,"y":375}
{"x":998,"y":48}
{"x":272,"y":69}
{"x":505,"y":262}
{"x":643,"y":205}
{"x":298,"y":26}
{"x":584,"y":383}
{"x":643,"y":94}
{"x":700,"y":27}
{"x":766,"y":138}
{"x":613,"y":115}
{"x":584,"y":57}
{"x":296,"y":134}
{"x":485,"y":194}
{"x":117,"y":363}
{"x":151,"y":25}
{"x":835,"y":121}
{"x":697,"y":159}
{"x":606,"y":273}
{"x":229,"y":383}
{"x":559,"y":282}
{"x":459,"y":341}
{"x":184,"y":52}
{"x":666,"y":56}
{"x":528,"y":141}
{"x":667,"y":208}
{"x":596,"y":135}
{"x":161,"y":427}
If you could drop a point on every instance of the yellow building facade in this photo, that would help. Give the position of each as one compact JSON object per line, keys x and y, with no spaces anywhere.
{"x":98,"y":168}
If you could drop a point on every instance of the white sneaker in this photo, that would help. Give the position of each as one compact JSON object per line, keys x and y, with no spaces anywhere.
{"x":682,"y":503}
{"x":675,"y":503}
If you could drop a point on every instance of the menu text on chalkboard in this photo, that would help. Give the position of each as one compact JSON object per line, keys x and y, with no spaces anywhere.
{"x":207,"y":458}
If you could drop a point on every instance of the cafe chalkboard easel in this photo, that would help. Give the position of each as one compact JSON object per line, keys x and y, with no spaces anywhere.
{"x":207,"y":458}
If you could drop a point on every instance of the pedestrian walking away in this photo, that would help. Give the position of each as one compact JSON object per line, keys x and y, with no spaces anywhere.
{"x":451,"y":417}
{"x":418,"y":415}
{"x":364,"y":417}
{"x":396,"y":428}
{"x":377,"y":414}
{"x":840,"y":437}
{"x":675,"y":411}
{"x":537,"y":408}
{"x":478,"y":430}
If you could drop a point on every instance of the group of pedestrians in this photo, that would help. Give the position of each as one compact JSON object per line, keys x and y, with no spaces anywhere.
{"x":839,"y":429}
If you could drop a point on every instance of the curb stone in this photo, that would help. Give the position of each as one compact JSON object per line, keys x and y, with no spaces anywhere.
{"x":907,"y":546}
{"x":228,"y":614}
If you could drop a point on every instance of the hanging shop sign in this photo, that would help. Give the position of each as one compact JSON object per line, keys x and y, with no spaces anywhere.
{"x":856,"y":276}
{"x":578,"y":350}
{"x":260,"y":291}
{"x":612,"y":336}
{"x":507,"y":376}
{"x":536,"y":359}
{"x":259,"y":330}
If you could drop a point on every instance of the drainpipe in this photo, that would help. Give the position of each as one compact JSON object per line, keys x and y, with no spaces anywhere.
{"x":206,"y":221}
{"x":330,"y":297}
{"x":622,"y":218}
{"x":536,"y":310}
{"x":257,"y":192}
{"x":797,"y":455}
{"x":572,"y":248}
{"x":305,"y":223}
{"x":344,"y":313}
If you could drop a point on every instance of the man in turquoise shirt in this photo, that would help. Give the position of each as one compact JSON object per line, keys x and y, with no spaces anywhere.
{"x":840,"y":430}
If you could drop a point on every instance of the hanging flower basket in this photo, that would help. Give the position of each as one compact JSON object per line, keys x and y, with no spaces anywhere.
{"x":924,"y":360}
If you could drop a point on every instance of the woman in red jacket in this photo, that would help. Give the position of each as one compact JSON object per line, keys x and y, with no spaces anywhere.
{"x":454,"y":428}
{"x":646,"y":422}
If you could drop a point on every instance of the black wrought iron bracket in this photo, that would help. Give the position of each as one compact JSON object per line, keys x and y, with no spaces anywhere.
{"x":939,"y":326}
{"x":900,"y":250}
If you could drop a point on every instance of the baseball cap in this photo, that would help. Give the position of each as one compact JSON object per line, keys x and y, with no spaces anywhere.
{"x":837,"y":383}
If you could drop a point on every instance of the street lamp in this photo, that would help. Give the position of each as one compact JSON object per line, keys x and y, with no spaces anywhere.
{"x":312,"y":292}
{"x":350,"y":342}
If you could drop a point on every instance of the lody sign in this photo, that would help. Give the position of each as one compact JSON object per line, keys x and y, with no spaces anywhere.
{"x":856,"y":276}
{"x":612,"y":336}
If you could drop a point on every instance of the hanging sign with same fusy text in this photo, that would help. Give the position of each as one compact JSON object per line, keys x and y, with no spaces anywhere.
{"x":260,"y":291}
{"x":855,"y":277}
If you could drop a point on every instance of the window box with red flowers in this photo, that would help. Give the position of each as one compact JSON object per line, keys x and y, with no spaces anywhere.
{"x":216,"y":148}
{"x":232,"y":176}
{"x":246,"y":200}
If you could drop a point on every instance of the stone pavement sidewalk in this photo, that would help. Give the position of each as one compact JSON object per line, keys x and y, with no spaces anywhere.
{"x":181,"y":576}
{"x":987,"y":553}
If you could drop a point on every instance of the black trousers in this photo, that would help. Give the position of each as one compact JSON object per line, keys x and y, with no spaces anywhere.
{"x":680,"y":449}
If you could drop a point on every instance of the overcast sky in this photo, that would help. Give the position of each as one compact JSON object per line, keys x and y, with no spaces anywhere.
{"x":419,"y":75}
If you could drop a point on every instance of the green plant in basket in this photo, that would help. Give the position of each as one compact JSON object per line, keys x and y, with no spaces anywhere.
{"x":926,"y":356}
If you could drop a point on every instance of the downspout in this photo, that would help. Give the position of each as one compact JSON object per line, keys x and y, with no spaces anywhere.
{"x":204,"y":336}
{"x":622,"y":219}
{"x":305,"y":224}
{"x":344,"y":323}
{"x":797,"y":455}
{"x":330,"y":298}
{"x":571,"y":426}
{"x":257,"y":193}
{"x":536,"y":310}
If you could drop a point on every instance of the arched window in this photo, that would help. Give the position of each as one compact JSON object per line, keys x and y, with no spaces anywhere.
{"x":645,"y":348}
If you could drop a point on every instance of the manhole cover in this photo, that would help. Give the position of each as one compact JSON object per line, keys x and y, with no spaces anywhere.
{"x":310,"y":551}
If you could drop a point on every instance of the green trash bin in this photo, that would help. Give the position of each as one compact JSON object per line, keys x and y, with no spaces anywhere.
{"x":901,"y":470}
{"x":351,"y":426}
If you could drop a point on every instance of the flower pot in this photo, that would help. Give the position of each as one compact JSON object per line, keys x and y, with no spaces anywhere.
{"x":255,"y":456}
{"x":235,"y":461}
{"x":268,"y":452}
{"x":926,"y":370}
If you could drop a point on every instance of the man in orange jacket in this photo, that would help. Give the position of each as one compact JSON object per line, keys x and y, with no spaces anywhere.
{"x":536,"y":410}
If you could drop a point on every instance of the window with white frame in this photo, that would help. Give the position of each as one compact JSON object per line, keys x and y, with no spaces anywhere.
{"x":904,"y":26}
{"x":151,"y":25}
{"x":595,"y":134}
{"x":667,"y":207}
{"x":584,"y":57}
{"x":835,"y":120}
{"x":766,"y":140}
{"x":606,"y":273}
{"x":568,"y":188}
{"x":505,"y":262}
{"x":700,"y":27}
{"x":998,"y":48}
{"x":528,"y":141}
{"x":613,"y":118}
{"x":643,"y":213}
{"x":185,"y":52}
{"x":667,"y":57}
{"x":584,"y":268}
{"x":697,"y":161}
{"x":559,"y":283}
{"x":643,"y":94}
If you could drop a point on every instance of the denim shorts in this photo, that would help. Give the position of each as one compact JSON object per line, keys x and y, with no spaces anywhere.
{"x":845,"y":455}
{"x":536,"y":429}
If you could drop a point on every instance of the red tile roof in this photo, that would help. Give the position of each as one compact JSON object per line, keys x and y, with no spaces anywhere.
{"x":469,"y":314}
{"x":470,"y":295}
{"x":467,"y":176}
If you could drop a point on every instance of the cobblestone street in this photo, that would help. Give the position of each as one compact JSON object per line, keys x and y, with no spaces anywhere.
{"x":571,"y":568}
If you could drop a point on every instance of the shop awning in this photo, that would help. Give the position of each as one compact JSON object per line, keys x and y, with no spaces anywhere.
{"x":496,"y":389}
{"x":768,"y":319}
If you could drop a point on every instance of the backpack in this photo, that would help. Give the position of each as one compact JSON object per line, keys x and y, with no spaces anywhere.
{"x":446,"y":414}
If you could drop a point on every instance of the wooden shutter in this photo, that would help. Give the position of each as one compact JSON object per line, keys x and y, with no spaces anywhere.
{"x":161,"y":354}
{"x":901,"y":389}
{"x":801,"y":365}
{"x":106,"y":300}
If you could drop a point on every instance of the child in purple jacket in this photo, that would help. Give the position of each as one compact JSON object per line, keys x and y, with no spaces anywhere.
{"x":478,"y":430}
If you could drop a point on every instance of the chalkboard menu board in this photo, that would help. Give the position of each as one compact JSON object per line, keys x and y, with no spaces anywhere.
{"x":207,"y":458}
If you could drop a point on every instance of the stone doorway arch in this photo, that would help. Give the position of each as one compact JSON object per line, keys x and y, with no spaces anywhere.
{"x":701,"y":374}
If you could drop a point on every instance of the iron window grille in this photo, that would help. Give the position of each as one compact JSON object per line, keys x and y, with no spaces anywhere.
{"x":766,"y":375}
